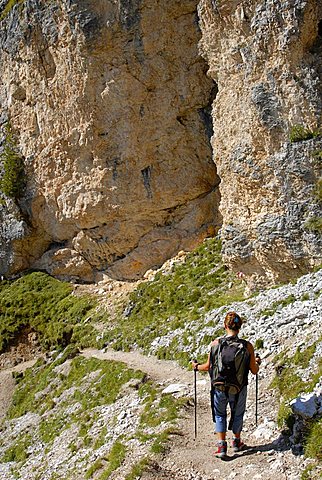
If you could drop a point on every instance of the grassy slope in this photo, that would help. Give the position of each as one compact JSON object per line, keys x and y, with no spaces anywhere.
{"x":185,"y":293}
{"x":69,"y":397}
{"x":46,"y":306}
{"x":159,"y":307}
{"x":289,"y":385}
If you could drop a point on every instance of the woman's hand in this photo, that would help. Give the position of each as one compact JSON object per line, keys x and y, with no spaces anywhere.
{"x":194,"y":364}
{"x":258,"y":359}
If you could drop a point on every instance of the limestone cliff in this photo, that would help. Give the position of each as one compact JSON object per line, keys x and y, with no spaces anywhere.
{"x":266,"y":59}
{"x":110,"y":105}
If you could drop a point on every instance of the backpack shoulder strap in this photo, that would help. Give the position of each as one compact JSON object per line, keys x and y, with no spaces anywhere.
{"x":214,"y":354}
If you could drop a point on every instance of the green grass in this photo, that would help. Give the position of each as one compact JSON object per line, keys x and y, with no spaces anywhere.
{"x":97,"y":465}
{"x":314,"y":224}
{"x":12,"y":181}
{"x":91,"y":383}
{"x":46,"y":306}
{"x":138,"y":469}
{"x":288,"y":382}
{"x":192,"y":288}
{"x":111,"y":375}
{"x":313,"y":446}
{"x":290,"y":385}
{"x":300,"y":133}
{"x":259,"y":343}
{"x":18,"y":451}
{"x":115,"y":459}
{"x":157,"y":410}
{"x":280,"y":304}
{"x":318,"y":190}
{"x":10,"y":4}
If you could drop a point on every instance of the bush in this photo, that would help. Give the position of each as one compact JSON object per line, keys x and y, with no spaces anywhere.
{"x":299,"y":133}
{"x":44,"y":305}
{"x":9,"y":5}
{"x":200,"y":283}
{"x":12,"y":182}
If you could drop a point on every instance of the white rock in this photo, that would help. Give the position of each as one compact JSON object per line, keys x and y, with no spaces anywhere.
{"x":306,"y":405}
{"x":175,"y":388}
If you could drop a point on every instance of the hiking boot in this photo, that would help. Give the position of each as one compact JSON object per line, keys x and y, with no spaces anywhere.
{"x":222,"y":449}
{"x":237,"y":444}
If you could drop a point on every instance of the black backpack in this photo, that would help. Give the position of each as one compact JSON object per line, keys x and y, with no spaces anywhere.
{"x":229,"y":364}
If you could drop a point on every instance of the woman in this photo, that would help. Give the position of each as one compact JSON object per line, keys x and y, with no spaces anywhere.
{"x":221,"y":395}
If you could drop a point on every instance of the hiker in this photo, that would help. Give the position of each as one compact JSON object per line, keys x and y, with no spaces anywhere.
{"x":228,"y":364}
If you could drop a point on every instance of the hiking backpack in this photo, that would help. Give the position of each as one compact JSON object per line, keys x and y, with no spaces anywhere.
{"x":229,"y":364}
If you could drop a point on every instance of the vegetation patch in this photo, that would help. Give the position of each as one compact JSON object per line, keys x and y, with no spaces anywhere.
{"x":314,"y":224}
{"x":101,"y":389}
{"x":138,"y":469}
{"x":8,"y":7}
{"x":276,"y":305}
{"x":289,"y":384}
{"x":184,"y":294}
{"x":46,"y":306}
{"x":313,"y":445}
{"x":12,"y":181}
{"x":158,"y":410}
{"x":18,"y":451}
{"x":259,"y":344}
{"x":71,"y":396}
{"x":300,"y":133}
{"x":311,"y":472}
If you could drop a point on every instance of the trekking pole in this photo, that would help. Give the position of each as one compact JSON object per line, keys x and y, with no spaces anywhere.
{"x":256,"y":400}
{"x":195,"y":385}
{"x":256,"y":392}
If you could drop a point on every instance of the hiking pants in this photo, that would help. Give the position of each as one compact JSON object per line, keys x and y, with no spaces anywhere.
{"x":219,"y":404}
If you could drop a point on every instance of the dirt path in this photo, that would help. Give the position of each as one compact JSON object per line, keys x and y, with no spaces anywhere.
{"x":266,"y":458}
{"x":187,"y":458}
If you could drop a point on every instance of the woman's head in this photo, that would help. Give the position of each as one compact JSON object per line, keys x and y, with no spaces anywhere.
{"x":233,"y":321}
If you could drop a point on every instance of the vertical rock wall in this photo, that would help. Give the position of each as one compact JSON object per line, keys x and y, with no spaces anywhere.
{"x":266,"y":59}
{"x":109,"y":102}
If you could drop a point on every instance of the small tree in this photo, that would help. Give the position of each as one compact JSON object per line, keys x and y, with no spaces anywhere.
{"x":12,"y":181}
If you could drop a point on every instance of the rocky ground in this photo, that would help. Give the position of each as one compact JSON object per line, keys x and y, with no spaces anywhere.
{"x":267,"y":457}
{"x":278,"y":323}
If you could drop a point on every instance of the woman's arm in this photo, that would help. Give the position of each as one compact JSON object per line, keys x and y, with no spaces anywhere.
{"x":254,"y":361}
{"x":204,"y":367}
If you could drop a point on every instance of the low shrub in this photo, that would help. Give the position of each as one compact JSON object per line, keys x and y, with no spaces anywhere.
{"x":8,"y":6}
{"x":12,"y":181}
{"x":46,"y":306}
{"x":200,"y":283}
{"x":300,"y":133}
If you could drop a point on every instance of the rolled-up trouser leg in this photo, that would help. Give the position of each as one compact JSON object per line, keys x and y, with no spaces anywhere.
{"x":220,"y":402}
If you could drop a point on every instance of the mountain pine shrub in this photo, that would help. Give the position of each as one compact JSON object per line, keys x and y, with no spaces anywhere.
{"x":300,"y":133}
{"x":12,"y":181}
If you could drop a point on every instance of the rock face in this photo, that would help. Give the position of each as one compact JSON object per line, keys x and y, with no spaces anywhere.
{"x":266,"y":59}
{"x":110,"y":104}
{"x":111,"y":109}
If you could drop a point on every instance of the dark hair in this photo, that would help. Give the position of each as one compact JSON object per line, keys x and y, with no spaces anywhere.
{"x":233,"y":321}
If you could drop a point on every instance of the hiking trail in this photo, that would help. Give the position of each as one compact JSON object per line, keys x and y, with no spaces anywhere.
{"x":267,"y":457}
